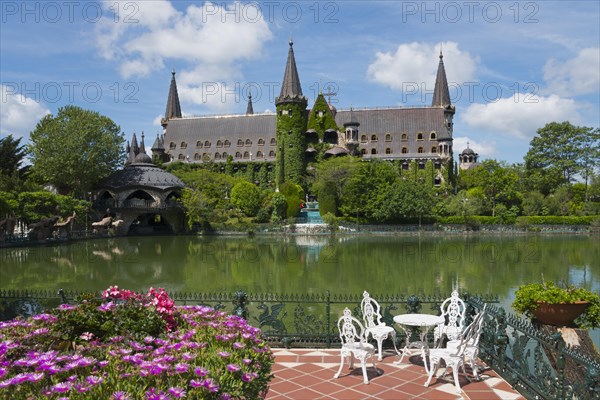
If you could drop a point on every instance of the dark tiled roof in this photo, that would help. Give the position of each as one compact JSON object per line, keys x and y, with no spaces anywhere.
{"x":249,"y":109}
{"x":290,"y":87}
{"x":173,"y":107}
{"x":441,"y":94}
{"x":146,"y":175}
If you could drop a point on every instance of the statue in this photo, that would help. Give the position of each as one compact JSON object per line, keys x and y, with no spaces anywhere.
{"x":64,"y":228}
{"x":104,"y":223}
{"x":42,"y":229}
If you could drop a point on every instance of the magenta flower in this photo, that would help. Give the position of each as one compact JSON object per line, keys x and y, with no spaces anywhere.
{"x":181,"y":367}
{"x":233,"y":368}
{"x":87,"y":336}
{"x":247,"y":377}
{"x":224,"y":354}
{"x":177,"y":392}
{"x":196,"y":383}
{"x":94,"y":380}
{"x":211,"y":385}
{"x":61,"y":387}
{"x":121,"y":396}
{"x":239,"y":345}
{"x":200,"y":371}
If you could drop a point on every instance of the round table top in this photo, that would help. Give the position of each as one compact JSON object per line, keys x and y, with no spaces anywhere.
{"x":419,"y":319}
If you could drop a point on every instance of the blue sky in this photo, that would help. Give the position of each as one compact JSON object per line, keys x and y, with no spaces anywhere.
{"x":512,"y":66}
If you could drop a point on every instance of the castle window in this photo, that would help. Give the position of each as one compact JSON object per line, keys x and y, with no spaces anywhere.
{"x":261,"y":142}
{"x":419,"y":136}
{"x":421,"y":165}
{"x":259,"y":154}
{"x":225,"y":155}
{"x":238,"y":154}
{"x":271,"y":153}
{"x":373,"y":138}
{"x":197,"y":156}
{"x":172,"y":146}
{"x":248,"y":142}
{"x":404,"y":137}
{"x":404,"y":150}
{"x":273,"y":142}
{"x":405,"y":166}
{"x":227,"y":143}
{"x":320,"y":114}
{"x":363,"y":152}
{"x":437,"y":181}
{"x":420,"y":150}
{"x":388,"y":150}
{"x":373,"y":151}
{"x":363,"y":138}
{"x":181,"y":157}
{"x":219,"y":143}
{"x":388,"y":137}
{"x":246,"y":155}
{"x":437,"y":165}
{"x":290,"y":113}
{"x":217,"y":156}
{"x":205,"y":157}
{"x":434,"y":149}
{"x":183,"y":145}
{"x":432,"y":136}
{"x":207,"y":144}
{"x":240,"y":143}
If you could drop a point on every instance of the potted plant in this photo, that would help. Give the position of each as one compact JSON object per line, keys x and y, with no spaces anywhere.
{"x":561,"y":306}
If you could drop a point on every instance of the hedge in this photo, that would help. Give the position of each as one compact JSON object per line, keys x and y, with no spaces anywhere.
{"x":531,"y":220}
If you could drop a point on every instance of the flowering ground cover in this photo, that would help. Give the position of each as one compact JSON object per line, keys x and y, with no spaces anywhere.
{"x":132,"y":346}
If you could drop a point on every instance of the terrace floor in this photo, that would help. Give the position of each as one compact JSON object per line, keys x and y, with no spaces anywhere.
{"x":308,"y":374}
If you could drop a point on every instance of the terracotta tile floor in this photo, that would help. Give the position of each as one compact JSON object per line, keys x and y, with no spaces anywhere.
{"x":308,"y":374}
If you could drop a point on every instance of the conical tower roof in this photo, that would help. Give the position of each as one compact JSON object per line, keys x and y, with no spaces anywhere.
{"x":249,"y":109}
{"x":441,"y":94}
{"x":173,"y":107}
{"x":291,"y":91}
{"x":158,"y":145}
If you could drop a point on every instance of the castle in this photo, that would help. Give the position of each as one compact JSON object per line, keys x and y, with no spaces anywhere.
{"x":294,"y":135}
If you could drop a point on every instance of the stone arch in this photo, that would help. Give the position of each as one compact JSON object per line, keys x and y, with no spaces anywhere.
{"x":150,"y":223}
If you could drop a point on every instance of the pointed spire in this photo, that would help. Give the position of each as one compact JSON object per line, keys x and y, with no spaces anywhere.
{"x":142,"y":146}
{"x":173,"y":107}
{"x":157,"y":146}
{"x":441,"y":94}
{"x":134,"y":144}
{"x":290,"y":88}
{"x":249,"y":109}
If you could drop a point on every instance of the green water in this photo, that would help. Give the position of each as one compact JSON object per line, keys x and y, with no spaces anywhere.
{"x":300,"y":264}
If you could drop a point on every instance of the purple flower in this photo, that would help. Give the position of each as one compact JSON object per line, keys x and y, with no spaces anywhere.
{"x":121,"y":396}
{"x":196,"y":383}
{"x":94,"y":380}
{"x":177,"y":392}
{"x":247,"y":377}
{"x":61,"y":387}
{"x":152,"y":394}
{"x":187,"y":356}
{"x":81,"y":388}
{"x":233,"y":367}
{"x":238,"y":345}
{"x":225,"y":396}
{"x":106,"y":306}
{"x":211,"y":385}
{"x":224,"y":354}
{"x":66,"y":307}
{"x":200,"y":371}
{"x":181,"y":367}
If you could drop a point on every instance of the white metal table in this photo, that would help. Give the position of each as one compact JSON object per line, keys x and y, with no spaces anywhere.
{"x":422,"y":321}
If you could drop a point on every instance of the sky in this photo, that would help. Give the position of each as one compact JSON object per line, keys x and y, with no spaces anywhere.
{"x":512,"y":66}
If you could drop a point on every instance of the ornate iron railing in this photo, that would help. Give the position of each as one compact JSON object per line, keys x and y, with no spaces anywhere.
{"x":539,"y":366}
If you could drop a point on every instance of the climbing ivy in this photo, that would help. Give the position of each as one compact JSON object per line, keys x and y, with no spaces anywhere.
{"x":321,"y":124}
{"x":291,"y":142}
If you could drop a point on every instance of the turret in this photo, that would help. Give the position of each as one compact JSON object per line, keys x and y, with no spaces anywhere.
{"x":173,"y":109}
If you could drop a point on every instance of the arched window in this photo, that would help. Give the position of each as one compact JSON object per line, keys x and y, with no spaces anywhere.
{"x":207,"y":144}
{"x":437,"y":165}
{"x":217,"y":156}
{"x":388,"y":137}
{"x":363,"y":138}
{"x":205,"y":157}
{"x":373,"y":151}
{"x":227,"y":143}
{"x":364,"y":151}
{"x":240,"y":143}
{"x":437,"y":181}
{"x":183,"y":145}
{"x":246,"y":155}
{"x":181,"y":157}
{"x":419,"y":136}
{"x":405,"y":150}
{"x":225,"y":155}
{"x":271,"y":153}
{"x":432,"y":136}
{"x":172,"y":146}
{"x":421,"y":165}
{"x":248,"y":142}
{"x":219,"y":143}
{"x":198,"y":144}
{"x":373,"y":138}
{"x":273,"y":142}
{"x":434,"y":149}
{"x":420,"y":150}
{"x":405,"y":166}
{"x":197,"y":156}
{"x":261,"y":142}
{"x":388,"y":150}
{"x":259,"y":154}
{"x":404,"y":137}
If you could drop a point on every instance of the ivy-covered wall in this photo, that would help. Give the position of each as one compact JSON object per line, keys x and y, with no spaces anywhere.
{"x":321,"y":123}
{"x":291,"y":144}
{"x":262,"y":173}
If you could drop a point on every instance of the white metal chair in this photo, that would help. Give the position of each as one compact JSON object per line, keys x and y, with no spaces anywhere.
{"x":453,"y":310}
{"x":458,"y":350}
{"x":371,"y":312}
{"x":354,"y":344}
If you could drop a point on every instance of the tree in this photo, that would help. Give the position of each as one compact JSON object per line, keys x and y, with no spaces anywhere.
{"x":75,"y":149}
{"x":247,"y":197}
{"x":402,"y":200}
{"x":12,"y":155}
{"x":558,"y":153}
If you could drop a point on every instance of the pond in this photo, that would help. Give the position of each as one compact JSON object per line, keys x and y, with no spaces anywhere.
{"x":342,"y":264}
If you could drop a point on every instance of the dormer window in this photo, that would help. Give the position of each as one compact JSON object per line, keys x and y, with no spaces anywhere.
{"x":320,"y":114}
{"x":388,"y":137}
{"x":432,"y":136}
{"x":419,"y":136}
{"x":183,"y":145}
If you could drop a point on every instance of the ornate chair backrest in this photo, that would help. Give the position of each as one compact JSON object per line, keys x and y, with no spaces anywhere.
{"x":479,"y":318}
{"x":351,"y":330}
{"x":453,"y":309}
{"x":470,"y":336}
{"x":371,"y":311}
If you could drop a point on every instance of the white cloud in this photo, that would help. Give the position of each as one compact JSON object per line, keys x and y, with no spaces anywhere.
{"x":18,"y":114}
{"x":484,"y":149}
{"x":578,"y":75}
{"x":209,"y":41}
{"x":416,"y":63}
{"x":520,"y":115}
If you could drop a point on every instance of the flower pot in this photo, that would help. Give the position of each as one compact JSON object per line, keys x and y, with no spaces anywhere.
{"x":561,"y":314}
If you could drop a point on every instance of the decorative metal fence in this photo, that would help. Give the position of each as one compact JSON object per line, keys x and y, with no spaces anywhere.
{"x":538,"y":365}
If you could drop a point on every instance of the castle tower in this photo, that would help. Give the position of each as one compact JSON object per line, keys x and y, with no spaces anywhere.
{"x":173,"y":109}
{"x":441,"y":98}
{"x":351,"y":133}
{"x":249,"y":108}
{"x":468,"y":159}
{"x":291,"y":125}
